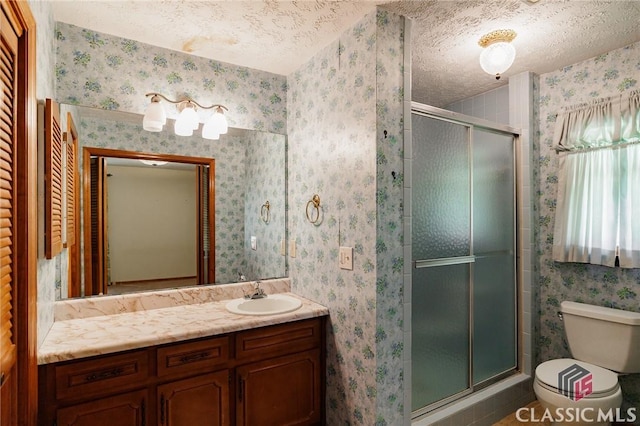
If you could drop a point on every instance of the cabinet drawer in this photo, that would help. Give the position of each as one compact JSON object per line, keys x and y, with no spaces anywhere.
{"x":267,"y":342}
{"x":203,"y":355}
{"x":101,"y":375}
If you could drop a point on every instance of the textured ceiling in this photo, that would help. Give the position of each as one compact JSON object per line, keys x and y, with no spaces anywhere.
{"x":280,"y":36}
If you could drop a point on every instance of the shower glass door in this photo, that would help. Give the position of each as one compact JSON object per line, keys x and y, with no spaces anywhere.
{"x":441,"y":235}
{"x":463,"y":244}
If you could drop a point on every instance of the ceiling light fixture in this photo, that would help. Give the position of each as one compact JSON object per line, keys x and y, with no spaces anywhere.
{"x":498,"y":53}
{"x":155,"y":117}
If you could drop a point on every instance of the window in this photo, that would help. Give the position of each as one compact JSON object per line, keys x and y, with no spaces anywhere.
{"x":599,"y":183}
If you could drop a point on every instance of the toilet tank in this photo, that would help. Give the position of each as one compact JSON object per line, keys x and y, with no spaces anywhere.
{"x":606,"y":337}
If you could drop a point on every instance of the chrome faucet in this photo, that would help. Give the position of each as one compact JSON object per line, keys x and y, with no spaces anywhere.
{"x":258,"y":293}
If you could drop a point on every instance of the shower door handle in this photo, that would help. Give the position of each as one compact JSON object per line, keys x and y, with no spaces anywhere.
{"x":443,"y":261}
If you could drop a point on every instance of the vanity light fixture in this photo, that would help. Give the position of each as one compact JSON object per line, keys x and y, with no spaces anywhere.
{"x":155,"y":117}
{"x":498,"y":53}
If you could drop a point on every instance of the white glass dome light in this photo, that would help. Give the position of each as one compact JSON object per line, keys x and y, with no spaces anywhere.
{"x":154,"y":117}
{"x":498,"y":54}
{"x":216,"y":125}
{"x":188,"y":118}
{"x":187,"y":121}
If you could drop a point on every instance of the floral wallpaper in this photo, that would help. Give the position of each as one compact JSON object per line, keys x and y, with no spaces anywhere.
{"x":606,"y":75}
{"x":108,"y":72}
{"x":339,"y":106}
{"x":104,"y":71}
{"x":265,"y":179}
{"x":389,"y":200}
{"x":234,"y":154}
{"x":48,"y":275}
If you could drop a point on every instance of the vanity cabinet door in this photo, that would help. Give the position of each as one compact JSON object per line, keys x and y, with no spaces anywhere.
{"x":202,"y":400}
{"x":280,"y":391}
{"x":127,"y":409}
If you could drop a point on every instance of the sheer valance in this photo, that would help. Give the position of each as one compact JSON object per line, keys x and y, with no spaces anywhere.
{"x":602,"y":123}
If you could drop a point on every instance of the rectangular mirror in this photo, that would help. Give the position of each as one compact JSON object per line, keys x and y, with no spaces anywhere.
{"x":246,"y":195}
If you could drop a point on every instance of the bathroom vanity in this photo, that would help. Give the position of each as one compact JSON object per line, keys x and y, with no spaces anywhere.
{"x":243,"y":370}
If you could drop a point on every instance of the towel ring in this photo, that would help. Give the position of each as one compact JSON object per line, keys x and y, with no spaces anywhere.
{"x":314,"y":202}
{"x":265,"y":212}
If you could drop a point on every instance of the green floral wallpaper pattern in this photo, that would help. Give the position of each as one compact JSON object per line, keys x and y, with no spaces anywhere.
{"x":109,"y":72}
{"x":606,"y":75}
{"x":340,"y":105}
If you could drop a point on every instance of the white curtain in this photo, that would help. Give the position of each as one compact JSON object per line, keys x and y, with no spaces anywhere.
{"x":599,"y":183}
{"x":630,"y":207}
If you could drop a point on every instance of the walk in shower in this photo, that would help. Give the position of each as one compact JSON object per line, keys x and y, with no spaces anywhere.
{"x":464,"y":312}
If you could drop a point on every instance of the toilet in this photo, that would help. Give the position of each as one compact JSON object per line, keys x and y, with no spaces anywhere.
{"x":584,"y":390}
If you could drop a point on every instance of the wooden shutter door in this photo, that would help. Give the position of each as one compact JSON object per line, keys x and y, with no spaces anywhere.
{"x":73,"y":208}
{"x":8,"y":195}
{"x":53,"y":180}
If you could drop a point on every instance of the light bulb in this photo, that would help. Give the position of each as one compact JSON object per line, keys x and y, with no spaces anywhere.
{"x":497,"y":58}
{"x":154,"y":117}
{"x":209,"y":130}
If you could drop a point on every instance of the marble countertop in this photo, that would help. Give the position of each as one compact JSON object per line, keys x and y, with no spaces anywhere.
{"x":98,"y":335}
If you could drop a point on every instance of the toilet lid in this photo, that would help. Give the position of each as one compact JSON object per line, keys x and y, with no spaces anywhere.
{"x":603,"y":381}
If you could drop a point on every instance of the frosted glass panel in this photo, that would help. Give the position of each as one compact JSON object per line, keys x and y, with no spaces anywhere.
{"x":493,"y":192}
{"x":440,"y":333}
{"x":494,"y":326}
{"x":441,"y":189}
{"x":494,"y":319}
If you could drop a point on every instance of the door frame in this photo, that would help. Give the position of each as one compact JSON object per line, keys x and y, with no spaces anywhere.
{"x":26,"y":229}
{"x":477,"y":123}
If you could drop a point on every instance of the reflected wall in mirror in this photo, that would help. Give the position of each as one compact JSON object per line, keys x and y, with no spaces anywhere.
{"x":249,"y":171}
{"x":150,"y":221}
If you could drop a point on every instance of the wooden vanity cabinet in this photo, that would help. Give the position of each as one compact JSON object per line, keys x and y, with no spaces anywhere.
{"x":128,"y":408}
{"x":199,"y":400}
{"x":272,"y":375}
{"x":279,"y":375}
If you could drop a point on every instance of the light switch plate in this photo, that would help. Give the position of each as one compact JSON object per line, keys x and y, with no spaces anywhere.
{"x":254,"y":243}
{"x":345,"y":258}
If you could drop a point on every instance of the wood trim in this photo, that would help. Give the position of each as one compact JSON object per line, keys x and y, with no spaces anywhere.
{"x":212,"y":222}
{"x":8,"y":210}
{"x":26,"y":232}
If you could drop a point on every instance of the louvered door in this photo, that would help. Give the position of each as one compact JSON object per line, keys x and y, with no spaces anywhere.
{"x":8,"y":195}
{"x":95,"y":233}
{"x":53,"y":180}
{"x":73,"y":207}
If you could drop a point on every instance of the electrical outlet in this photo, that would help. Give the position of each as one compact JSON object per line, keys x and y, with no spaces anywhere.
{"x":345,"y":258}
{"x":292,"y":248}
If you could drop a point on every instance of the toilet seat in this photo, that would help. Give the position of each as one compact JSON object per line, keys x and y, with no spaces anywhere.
{"x":604,"y":382}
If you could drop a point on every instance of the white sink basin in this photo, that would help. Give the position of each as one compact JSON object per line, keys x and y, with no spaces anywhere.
{"x":270,"y":305}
